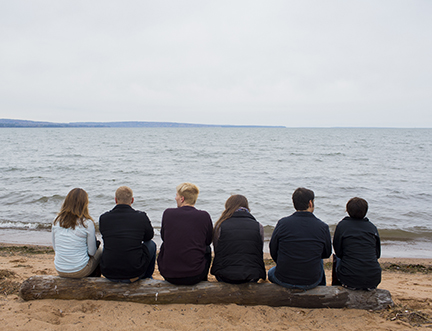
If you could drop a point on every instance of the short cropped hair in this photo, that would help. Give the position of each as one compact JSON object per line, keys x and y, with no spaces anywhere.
{"x":301,"y":198}
{"x":124,"y":195}
{"x":189,"y":191}
{"x":357,"y":208}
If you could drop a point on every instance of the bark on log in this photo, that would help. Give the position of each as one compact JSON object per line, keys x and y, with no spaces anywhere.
{"x":160,"y":292}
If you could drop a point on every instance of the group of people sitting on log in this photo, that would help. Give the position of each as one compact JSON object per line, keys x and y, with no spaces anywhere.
{"x":298,"y":245}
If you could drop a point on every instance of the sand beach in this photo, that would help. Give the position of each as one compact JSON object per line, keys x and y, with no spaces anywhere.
{"x":408,"y":280}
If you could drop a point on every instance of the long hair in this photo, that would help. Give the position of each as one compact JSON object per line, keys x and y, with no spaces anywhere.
{"x":74,"y":210}
{"x":233,"y":203}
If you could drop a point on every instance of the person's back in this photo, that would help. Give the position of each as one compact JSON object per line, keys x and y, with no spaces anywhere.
{"x":186,"y":232}
{"x":77,"y":253}
{"x":185,"y":235}
{"x":357,"y":247}
{"x":238,"y":243}
{"x":128,"y":249}
{"x":299,"y":243}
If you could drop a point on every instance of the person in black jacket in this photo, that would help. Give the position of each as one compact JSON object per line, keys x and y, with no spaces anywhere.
{"x":299,"y":243}
{"x":129,"y":253}
{"x":357,"y":246}
{"x":238,"y":241}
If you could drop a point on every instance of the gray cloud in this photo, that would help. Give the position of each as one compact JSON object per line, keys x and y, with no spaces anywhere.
{"x":293,"y":63}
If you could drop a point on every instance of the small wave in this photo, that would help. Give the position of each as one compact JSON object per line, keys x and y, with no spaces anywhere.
{"x":45,"y":199}
{"x":405,"y":235}
{"x":415,"y":233}
{"x":24,"y":225}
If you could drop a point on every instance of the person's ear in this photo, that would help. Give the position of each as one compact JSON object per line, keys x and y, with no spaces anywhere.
{"x":132,"y":201}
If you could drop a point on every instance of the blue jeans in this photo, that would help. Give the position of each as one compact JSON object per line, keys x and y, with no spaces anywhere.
{"x":273,"y":279}
{"x":151,"y":246}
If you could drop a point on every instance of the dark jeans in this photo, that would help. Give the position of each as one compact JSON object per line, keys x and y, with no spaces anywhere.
{"x":320,"y":282}
{"x":194,"y":279}
{"x":151,"y":246}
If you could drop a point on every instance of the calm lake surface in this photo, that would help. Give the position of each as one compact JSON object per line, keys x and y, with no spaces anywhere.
{"x":390,"y":168}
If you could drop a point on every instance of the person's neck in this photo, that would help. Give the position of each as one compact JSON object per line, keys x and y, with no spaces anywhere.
{"x":186,"y":205}
{"x":309,"y":210}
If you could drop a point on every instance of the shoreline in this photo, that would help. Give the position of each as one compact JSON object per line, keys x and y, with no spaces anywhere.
{"x":389,"y":249}
{"x":383,"y":260}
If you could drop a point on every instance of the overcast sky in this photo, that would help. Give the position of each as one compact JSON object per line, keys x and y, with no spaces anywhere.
{"x":293,"y":63}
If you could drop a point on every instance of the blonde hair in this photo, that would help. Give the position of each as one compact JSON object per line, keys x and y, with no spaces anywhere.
{"x":74,"y":210}
{"x":124,"y":195}
{"x":189,"y":191}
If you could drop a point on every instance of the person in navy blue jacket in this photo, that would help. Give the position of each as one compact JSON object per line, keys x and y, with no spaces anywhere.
{"x":357,"y":246}
{"x":299,"y":244}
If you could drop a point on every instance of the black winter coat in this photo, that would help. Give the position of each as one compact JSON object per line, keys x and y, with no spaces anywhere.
{"x":357,"y":243}
{"x":239,"y":249}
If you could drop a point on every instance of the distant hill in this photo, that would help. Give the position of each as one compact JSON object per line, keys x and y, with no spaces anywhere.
{"x":11,"y":123}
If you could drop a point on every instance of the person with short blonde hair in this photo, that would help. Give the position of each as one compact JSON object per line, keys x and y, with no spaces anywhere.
{"x":186,"y":233}
{"x":129,"y":253}
{"x":189,"y":192}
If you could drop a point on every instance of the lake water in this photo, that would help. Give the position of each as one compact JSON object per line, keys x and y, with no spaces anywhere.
{"x":390,"y":168}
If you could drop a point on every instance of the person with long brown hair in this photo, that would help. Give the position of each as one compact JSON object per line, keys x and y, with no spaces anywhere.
{"x":73,"y":238}
{"x":238,"y":240}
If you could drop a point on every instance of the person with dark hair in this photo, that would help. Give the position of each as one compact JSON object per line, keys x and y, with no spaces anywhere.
{"x":73,"y":238}
{"x":238,"y":241}
{"x":357,"y":246}
{"x":299,"y":244}
{"x":186,"y":233}
{"x":129,"y":253}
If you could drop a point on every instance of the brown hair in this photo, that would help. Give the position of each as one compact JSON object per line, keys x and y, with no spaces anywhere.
{"x":74,"y":210}
{"x":189,"y":191}
{"x":357,"y":208}
{"x":233,"y":203}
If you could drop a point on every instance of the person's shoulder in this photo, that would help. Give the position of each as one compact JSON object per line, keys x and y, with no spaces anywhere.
{"x":202,"y":214}
{"x":345,"y":220}
{"x":367,"y":220}
{"x":170,"y":211}
{"x":137,"y":211}
{"x":107,"y":213}
{"x":318,"y":222}
{"x":285,"y":219}
{"x":88,"y":223}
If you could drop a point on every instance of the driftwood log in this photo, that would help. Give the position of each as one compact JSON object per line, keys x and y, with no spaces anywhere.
{"x":160,"y":292}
